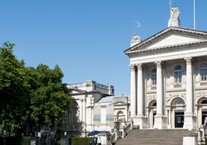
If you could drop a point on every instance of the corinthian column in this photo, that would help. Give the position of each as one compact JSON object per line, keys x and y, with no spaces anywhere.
{"x":140,"y":90}
{"x":189,"y":118}
{"x":159,"y":89}
{"x":160,"y":119}
{"x":133,"y":91}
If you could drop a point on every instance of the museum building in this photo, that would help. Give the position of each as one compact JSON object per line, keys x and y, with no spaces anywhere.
{"x":168,"y":83}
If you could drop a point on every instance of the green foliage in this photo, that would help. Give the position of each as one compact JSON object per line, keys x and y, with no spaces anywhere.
{"x":49,"y":101}
{"x":26,"y":140}
{"x":81,"y":140}
{"x":29,"y":94}
{"x":13,"y":96}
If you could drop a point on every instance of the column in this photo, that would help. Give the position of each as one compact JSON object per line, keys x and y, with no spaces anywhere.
{"x":160,"y":120}
{"x":92,"y":108}
{"x":159,"y":89}
{"x":189,"y":87}
{"x":140,"y":119}
{"x":81,"y":109}
{"x":84,"y":112}
{"x":133,"y":91}
{"x":189,"y":118}
{"x":140,"y":90}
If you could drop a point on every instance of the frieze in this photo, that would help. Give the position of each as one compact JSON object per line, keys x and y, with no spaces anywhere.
{"x":150,"y":98}
{"x":200,"y":94}
{"x":172,"y":96}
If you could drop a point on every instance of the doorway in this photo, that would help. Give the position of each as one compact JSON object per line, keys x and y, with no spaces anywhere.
{"x":179,"y":119}
{"x":204,"y":115}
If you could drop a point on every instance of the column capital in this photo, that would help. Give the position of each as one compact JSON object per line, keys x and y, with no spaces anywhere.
{"x":158,"y":63}
{"x":139,"y":66}
{"x":188,"y":60}
{"x":132,"y":67}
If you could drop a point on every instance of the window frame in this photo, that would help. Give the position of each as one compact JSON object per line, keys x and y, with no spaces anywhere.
{"x":203,"y":72}
{"x":154,"y":77}
{"x":178,"y":74}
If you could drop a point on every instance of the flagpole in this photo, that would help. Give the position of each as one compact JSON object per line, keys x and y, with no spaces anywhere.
{"x":194,"y":14}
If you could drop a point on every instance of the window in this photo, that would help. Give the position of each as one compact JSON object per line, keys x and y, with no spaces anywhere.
{"x":154,"y":77}
{"x":110,"y":117}
{"x":97,"y":117}
{"x":204,"y":102}
{"x":203,"y":72}
{"x":179,"y":102}
{"x":178,"y":73}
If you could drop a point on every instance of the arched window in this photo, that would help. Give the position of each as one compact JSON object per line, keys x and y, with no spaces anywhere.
{"x":178,"y":73}
{"x":154,"y":77}
{"x":179,"y":102}
{"x":154,"y":104}
{"x":204,"y":102}
{"x":203,"y":72}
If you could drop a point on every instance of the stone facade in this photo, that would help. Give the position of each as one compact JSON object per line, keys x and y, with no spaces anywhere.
{"x":85,"y":95}
{"x":168,"y":79}
{"x":94,"y":108}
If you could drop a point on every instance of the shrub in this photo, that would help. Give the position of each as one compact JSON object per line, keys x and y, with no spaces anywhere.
{"x":81,"y":140}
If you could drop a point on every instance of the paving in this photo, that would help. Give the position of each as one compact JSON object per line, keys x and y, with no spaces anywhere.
{"x":154,"y":137}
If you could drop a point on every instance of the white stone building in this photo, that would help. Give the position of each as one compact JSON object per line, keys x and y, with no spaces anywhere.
{"x":169,"y":77}
{"x":85,"y":96}
{"x":106,"y":112}
{"x":94,"y":107}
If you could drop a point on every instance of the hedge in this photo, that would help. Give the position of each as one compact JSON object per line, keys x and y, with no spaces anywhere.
{"x":81,"y":140}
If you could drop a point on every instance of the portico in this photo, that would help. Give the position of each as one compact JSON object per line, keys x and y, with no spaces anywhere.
{"x":169,"y":77}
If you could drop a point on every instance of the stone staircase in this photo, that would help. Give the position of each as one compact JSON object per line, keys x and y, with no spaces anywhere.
{"x":154,"y":137}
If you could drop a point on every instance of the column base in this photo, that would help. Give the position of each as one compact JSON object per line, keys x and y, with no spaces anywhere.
{"x":140,"y":121}
{"x":160,"y":122}
{"x":189,"y":121}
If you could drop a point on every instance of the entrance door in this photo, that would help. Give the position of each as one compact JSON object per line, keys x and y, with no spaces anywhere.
{"x":204,"y":115}
{"x":179,"y":119}
{"x":154,"y":113}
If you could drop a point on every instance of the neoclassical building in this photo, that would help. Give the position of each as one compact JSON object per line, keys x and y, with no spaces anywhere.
{"x":169,"y":77}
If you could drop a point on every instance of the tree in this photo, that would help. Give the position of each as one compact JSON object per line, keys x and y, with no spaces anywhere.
{"x":49,"y":100}
{"x":29,"y":96}
{"x":13,"y":94}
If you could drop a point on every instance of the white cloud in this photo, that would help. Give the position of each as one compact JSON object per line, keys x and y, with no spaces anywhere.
{"x":138,"y":24}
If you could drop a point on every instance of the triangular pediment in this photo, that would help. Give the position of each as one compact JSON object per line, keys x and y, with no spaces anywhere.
{"x":172,"y":36}
{"x":173,"y":40}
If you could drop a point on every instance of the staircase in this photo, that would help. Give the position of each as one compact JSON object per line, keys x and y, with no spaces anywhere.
{"x":154,"y":137}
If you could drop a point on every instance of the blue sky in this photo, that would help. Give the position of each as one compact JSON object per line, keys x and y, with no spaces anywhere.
{"x":86,"y":38}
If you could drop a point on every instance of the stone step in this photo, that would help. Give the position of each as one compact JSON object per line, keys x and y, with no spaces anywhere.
{"x":154,"y":137}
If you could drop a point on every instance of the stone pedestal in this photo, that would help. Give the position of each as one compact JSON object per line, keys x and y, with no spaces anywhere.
{"x":140,"y":121}
{"x":160,"y":122}
{"x":189,"y":121}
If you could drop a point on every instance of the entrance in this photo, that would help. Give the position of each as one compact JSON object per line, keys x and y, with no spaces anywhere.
{"x":179,"y":119}
{"x":204,"y":115}
{"x":154,"y":113}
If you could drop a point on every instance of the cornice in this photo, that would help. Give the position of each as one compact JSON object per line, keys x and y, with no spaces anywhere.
{"x":168,"y":47}
{"x":161,"y":33}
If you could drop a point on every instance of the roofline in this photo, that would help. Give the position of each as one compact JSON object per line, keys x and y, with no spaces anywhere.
{"x":170,"y":46}
{"x":199,"y":32}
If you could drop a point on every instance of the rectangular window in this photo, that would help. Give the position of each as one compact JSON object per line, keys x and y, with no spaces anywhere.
{"x":97,"y":117}
{"x":110,"y":117}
